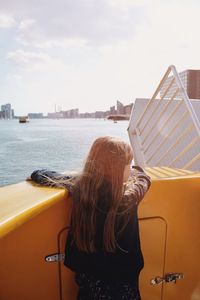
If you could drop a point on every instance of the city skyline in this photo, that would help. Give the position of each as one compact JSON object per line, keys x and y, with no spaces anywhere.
{"x":7,"y":112}
{"x":85,"y":54}
{"x":190,"y":80}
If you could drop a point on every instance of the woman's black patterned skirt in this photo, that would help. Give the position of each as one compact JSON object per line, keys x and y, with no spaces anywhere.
{"x":94,"y":289}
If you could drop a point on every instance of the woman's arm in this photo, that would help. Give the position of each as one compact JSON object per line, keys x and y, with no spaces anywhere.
{"x":46,"y":177}
{"x":142,"y":179}
{"x":138,"y":184}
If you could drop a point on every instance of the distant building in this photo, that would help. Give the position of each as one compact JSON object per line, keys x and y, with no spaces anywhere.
{"x":106,"y":113}
{"x":2,"y":115}
{"x":6,"y":111}
{"x":128,"y":108}
{"x":87,"y":115}
{"x":66,"y":114}
{"x":112,"y":110}
{"x":35,"y":116}
{"x":99,"y":114}
{"x":55,"y":115}
{"x":191,"y":83}
{"x":120,"y":108}
{"x":71,"y":114}
{"x":121,"y":113}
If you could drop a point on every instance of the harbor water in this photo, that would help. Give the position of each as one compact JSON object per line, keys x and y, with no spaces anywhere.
{"x":59,"y":145}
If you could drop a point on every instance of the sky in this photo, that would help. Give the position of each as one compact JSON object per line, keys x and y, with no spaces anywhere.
{"x":88,"y":54}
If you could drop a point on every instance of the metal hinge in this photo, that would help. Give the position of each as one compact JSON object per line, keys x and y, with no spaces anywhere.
{"x":169,"y":277}
{"x":56,"y":257}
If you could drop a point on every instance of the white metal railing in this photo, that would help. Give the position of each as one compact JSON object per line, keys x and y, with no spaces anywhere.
{"x":167,"y":131}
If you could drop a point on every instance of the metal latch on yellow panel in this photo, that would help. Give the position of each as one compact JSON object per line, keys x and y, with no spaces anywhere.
{"x":169,"y":277}
{"x":56,"y":257}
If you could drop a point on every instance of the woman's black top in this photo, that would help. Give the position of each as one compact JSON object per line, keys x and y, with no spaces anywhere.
{"x":126,"y":263}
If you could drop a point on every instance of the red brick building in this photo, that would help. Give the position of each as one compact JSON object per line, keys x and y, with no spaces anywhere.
{"x":191,"y":83}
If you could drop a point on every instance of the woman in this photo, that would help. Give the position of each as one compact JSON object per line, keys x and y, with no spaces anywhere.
{"x":103,"y":245}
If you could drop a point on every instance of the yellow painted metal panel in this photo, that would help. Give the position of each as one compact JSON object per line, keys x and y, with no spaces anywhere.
{"x":21,"y":202}
{"x":24,"y":272}
{"x":177,"y":201}
{"x":33,"y":217}
{"x":153,"y":238}
{"x":69,"y":289}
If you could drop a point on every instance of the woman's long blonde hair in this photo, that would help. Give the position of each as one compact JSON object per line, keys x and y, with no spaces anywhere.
{"x":101,"y":180}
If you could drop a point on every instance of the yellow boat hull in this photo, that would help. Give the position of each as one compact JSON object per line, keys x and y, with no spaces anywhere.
{"x":34,"y":224}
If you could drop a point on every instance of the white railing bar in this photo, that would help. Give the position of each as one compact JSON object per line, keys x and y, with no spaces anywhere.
{"x":185,"y":150}
{"x":188,"y":129}
{"x":190,"y":163}
{"x":161,"y":114}
{"x":167,"y":136}
{"x":164,"y":123}
{"x":187,"y":101}
{"x":140,"y":147}
{"x":158,"y":105}
{"x":154,"y":96}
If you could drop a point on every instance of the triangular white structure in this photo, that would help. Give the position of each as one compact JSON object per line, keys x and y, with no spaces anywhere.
{"x":165,"y":130}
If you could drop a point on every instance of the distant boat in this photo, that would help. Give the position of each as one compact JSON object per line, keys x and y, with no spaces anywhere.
{"x":23,"y":119}
{"x":118,"y":117}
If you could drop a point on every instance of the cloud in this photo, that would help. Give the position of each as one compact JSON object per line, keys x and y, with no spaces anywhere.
{"x":7,"y":21}
{"x":92,"y":22}
{"x":88,"y":53}
{"x":32,"y":60}
{"x":14,"y":77}
{"x":26,"y":23}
